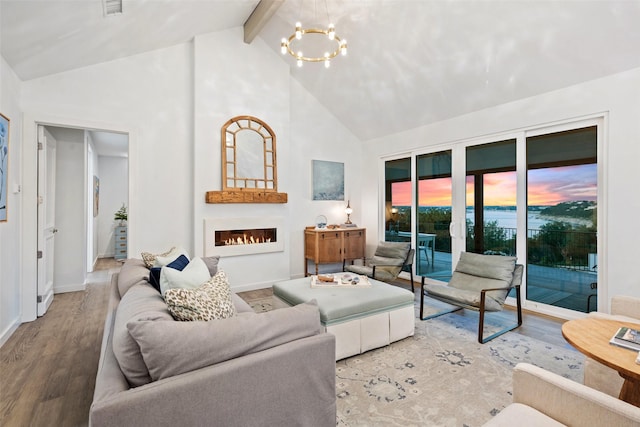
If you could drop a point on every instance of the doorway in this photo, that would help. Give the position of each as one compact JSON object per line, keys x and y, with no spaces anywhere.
{"x":31,"y":307}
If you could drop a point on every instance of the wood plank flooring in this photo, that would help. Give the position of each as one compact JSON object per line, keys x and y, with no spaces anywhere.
{"x":48,"y":366}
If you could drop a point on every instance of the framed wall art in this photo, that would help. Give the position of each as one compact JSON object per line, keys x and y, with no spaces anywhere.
{"x":328,"y":180}
{"x":4,"y":165}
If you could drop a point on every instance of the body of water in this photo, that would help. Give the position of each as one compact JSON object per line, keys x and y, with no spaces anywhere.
{"x":507,"y":219}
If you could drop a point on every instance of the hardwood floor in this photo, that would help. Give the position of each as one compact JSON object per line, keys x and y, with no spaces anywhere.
{"x":48,"y":366}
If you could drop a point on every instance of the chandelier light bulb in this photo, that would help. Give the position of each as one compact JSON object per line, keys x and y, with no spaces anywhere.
{"x":343,"y":47}
{"x":298,"y":30}
{"x":283,"y":46}
{"x":299,"y":62}
{"x":327,"y":62}
{"x":332,"y":32}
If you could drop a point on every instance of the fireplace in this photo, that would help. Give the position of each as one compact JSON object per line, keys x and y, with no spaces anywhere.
{"x":243,"y":236}
{"x":250,"y":236}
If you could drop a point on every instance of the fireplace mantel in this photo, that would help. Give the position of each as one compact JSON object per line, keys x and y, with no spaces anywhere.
{"x":240,"y":196}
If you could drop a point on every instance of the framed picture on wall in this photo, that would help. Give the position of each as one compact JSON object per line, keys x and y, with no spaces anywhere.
{"x":96,"y":195}
{"x":328,"y":180}
{"x":4,"y":165}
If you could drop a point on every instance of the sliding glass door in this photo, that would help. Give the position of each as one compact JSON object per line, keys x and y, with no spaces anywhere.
{"x":532,"y":195}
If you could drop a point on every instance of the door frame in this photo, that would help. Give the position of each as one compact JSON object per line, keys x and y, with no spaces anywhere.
{"x":29,"y":231}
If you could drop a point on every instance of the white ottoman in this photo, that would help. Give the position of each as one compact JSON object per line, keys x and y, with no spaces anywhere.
{"x":360,"y":318}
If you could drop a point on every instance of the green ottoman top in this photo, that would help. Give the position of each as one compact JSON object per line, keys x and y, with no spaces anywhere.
{"x":339,"y":305}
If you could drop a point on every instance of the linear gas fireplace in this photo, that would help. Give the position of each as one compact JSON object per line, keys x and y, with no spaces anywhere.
{"x":250,"y":236}
{"x":242,"y":236}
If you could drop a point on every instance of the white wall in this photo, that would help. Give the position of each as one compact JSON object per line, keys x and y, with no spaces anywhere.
{"x":114,"y":192}
{"x":10,"y":231}
{"x":317,"y":135}
{"x":616,"y":96}
{"x":174,"y":102}
{"x":69,"y":253}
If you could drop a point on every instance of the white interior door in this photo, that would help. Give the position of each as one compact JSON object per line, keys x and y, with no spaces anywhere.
{"x":46,"y":218}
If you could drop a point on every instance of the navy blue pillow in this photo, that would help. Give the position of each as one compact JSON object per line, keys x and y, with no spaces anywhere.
{"x":179,"y":263}
{"x":154,"y":273}
{"x":154,"y":277}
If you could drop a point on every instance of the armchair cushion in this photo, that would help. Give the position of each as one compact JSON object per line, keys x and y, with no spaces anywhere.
{"x":389,"y":259}
{"x":463,"y":296}
{"x":477,"y":272}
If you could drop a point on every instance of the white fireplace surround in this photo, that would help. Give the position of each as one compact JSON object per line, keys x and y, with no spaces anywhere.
{"x":211,"y":225}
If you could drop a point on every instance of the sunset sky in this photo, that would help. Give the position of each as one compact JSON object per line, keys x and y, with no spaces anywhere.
{"x":547,"y":187}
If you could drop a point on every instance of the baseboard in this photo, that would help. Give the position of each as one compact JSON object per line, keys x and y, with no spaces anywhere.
{"x":9,"y":330}
{"x":69,"y":288}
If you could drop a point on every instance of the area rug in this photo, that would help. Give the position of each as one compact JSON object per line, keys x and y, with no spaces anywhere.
{"x":441,"y":376}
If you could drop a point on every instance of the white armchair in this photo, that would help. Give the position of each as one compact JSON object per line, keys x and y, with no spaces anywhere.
{"x":596,"y":375}
{"x":542,"y":398}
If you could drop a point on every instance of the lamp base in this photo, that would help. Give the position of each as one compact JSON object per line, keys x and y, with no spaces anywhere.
{"x":349,"y":225}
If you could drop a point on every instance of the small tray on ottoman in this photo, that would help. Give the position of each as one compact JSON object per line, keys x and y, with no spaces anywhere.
{"x":340,"y":280}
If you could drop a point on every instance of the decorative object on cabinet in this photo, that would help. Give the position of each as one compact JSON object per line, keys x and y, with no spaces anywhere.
{"x":120,"y":237}
{"x":4,"y":165}
{"x":249,"y":167}
{"x":333,"y":246}
{"x":121,"y":215}
{"x":328,"y":180}
{"x":321,"y":222}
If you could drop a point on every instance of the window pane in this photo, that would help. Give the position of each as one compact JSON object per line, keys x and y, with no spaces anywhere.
{"x":433,"y":251}
{"x":561,"y":219}
{"x":397,"y":199}
{"x":491,"y":198}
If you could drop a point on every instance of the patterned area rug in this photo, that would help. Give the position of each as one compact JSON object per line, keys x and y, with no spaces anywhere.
{"x":439,"y":377}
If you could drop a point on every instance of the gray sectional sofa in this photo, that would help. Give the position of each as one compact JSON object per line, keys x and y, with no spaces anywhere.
{"x":274,"y":368}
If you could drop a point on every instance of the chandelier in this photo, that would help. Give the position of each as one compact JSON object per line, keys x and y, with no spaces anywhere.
{"x":332,"y":43}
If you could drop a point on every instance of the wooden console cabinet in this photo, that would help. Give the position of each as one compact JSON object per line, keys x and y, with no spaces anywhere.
{"x":333,"y":246}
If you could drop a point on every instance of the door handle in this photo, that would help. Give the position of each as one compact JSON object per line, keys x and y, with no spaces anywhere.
{"x":54,"y":231}
{"x":452,"y":229}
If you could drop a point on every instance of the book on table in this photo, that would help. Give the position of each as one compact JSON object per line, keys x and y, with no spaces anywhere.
{"x":627,"y":338}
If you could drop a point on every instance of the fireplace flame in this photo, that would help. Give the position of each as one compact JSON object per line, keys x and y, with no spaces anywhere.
{"x":244,"y":240}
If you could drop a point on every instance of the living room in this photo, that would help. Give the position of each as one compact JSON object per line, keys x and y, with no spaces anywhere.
{"x":173,"y":100}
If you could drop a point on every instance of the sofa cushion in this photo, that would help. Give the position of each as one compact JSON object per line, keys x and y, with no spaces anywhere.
{"x":149,"y":259}
{"x":192,"y":276}
{"x":132,"y":272}
{"x":172,"y":348}
{"x":140,"y":302}
{"x":210,"y":301}
{"x":522,"y":416}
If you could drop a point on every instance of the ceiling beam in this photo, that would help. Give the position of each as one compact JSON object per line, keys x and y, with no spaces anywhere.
{"x":259,"y":17}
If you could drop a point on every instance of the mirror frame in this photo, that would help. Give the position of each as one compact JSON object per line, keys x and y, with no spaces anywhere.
{"x":231,"y":129}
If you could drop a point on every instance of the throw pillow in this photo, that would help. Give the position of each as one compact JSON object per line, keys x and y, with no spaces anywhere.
{"x":162,"y":260}
{"x":191,"y":276}
{"x":154,"y":272}
{"x":149,"y":259}
{"x":172,"y":348}
{"x":210,"y":301}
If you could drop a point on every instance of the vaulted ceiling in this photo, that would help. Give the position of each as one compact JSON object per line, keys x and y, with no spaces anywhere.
{"x":410,"y":62}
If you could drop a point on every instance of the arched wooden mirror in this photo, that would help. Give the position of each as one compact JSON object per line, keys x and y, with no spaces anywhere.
{"x":248,"y":155}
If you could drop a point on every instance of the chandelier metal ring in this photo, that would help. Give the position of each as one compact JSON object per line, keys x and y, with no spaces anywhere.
{"x":331,"y":55}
